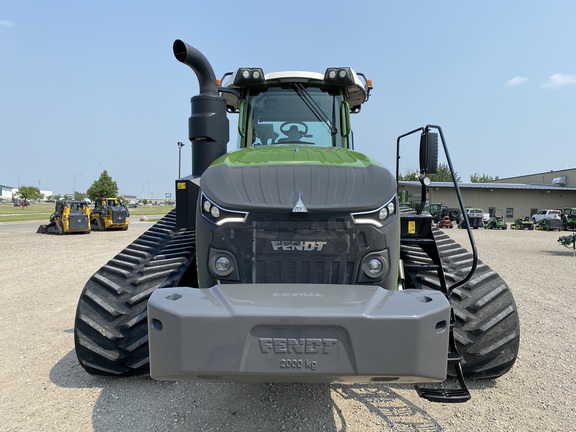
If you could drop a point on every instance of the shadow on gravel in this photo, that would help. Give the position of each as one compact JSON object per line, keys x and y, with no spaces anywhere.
{"x":565,"y":252}
{"x":142,"y":404}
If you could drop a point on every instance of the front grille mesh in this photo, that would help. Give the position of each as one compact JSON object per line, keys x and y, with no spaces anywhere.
{"x":332,"y":264}
{"x":303,"y":271}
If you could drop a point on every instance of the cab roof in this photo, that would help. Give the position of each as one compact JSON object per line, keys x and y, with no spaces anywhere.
{"x":357,"y":91}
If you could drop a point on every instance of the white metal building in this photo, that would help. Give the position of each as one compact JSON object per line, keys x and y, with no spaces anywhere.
{"x":515,"y":196}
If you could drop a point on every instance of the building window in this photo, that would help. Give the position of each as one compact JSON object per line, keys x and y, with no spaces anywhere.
{"x":533,"y":212}
{"x":509,"y":213}
{"x":492,"y":211}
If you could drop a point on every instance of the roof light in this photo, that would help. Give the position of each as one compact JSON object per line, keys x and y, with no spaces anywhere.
{"x":341,"y":76}
{"x":249,"y":76}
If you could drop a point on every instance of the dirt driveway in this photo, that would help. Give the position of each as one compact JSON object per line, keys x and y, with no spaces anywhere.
{"x":43,"y":388}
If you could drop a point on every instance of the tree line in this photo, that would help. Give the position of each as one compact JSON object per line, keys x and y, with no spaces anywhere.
{"x":103,"y":187}
{"x":443,"y":175}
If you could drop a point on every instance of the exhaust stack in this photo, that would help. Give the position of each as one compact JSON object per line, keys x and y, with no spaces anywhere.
{"x":208,"y":125}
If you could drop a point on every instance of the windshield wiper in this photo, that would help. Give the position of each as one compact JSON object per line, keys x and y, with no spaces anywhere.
{"x":314,"y":107}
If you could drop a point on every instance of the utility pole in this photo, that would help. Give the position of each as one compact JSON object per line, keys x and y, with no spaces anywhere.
{"x":180,"y":145}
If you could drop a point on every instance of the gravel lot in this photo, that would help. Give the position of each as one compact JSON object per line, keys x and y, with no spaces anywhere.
{"x":43,"y":388}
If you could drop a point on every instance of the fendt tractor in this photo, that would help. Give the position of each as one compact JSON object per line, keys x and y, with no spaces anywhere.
{"x":289,"y":259}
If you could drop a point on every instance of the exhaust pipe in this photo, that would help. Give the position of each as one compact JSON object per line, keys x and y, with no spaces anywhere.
{"x":190,"y":56}
{"x":208,"y":125}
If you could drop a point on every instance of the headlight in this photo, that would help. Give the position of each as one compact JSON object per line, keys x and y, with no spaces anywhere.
{"x":376,"y":217}
{"x":222,"y":264}
{"x":218,"y":215}
{"x":375,"y":266}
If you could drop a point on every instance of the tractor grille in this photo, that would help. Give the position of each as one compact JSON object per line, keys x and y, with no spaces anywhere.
{"x":304,"y":271}
{"x":303,"y":251}
{"x":78,"y":221}
{"x":119,"y":216}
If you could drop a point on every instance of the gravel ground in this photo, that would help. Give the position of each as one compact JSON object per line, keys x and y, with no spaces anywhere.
{"x":42,"y":386}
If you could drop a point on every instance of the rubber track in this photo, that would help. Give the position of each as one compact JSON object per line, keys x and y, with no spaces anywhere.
{"x":487,"y":328}
{"x":111,"y":329}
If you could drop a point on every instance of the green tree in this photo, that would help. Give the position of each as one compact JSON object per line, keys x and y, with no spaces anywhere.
{"x":409,"y":176}
{"x":103,"y":187}
{"x":79,"y":196}
{"x":484,"y":178}
{"x":443,"y":174}
{"x":29,"y":192}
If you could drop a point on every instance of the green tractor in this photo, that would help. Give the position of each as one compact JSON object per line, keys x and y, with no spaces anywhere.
{"x":551,"y":224}
{"x":569,"y":219}
{"x":523,"y":223}
{"x":496,"y":221}
{"x":290,"y":260}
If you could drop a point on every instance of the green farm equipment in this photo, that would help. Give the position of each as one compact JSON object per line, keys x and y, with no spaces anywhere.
{"x":290,"y":259}
{"x":568,"y":217}
{"x":549,"y":224}
{"x":523,"y":223}
{"x":569,"y":241}
{"x":496,"y":221}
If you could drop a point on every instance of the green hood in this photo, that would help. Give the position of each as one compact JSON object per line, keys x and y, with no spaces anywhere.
{"x":294,"y":154}
{"x":274,"y":178}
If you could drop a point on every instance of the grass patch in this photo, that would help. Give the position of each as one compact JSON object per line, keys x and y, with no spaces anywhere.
{"x":42,"y":212}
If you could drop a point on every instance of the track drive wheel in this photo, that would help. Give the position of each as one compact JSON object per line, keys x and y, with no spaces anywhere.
{"x":111,"y":329}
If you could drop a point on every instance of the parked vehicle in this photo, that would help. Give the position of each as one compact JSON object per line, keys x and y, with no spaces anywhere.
{"x":546,"y":214}
{"x":445,"y":222}
{"x":523,"y":223}
{"x":496,"y":221}
{"x":568,"y":217}
{"x":475,"y":216}
{"x":439,"y":211}
{"x":70,"y":216}
{"x":549,"y":224}
{"x":109,"y":214}
{"x":21,"y":203}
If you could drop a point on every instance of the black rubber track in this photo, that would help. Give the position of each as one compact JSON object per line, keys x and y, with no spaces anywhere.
{"x":487,"y":328}
{"x":110,"y":331}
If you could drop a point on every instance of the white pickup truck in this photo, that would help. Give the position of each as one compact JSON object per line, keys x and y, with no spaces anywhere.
{"x":476,"y":217}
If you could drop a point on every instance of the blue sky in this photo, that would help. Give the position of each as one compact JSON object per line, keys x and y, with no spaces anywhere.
{"x":87,"y":86}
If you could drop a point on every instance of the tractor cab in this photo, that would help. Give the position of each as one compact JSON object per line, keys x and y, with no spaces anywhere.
{"x":295,"y":108}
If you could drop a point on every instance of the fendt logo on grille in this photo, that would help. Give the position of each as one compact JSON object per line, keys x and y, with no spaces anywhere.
{"x":290,"y":245}
{"x":297,"y":345}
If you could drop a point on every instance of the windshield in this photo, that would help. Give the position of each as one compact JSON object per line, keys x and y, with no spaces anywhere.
{"x":294,"y":115}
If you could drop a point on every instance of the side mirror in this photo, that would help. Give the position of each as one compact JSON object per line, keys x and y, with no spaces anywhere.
{"x":429,"y":153}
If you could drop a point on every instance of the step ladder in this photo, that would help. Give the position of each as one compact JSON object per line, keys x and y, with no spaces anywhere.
{"x":416,"y":232}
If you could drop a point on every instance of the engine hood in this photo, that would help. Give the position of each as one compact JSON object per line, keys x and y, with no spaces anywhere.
{"x":274,"y":178}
